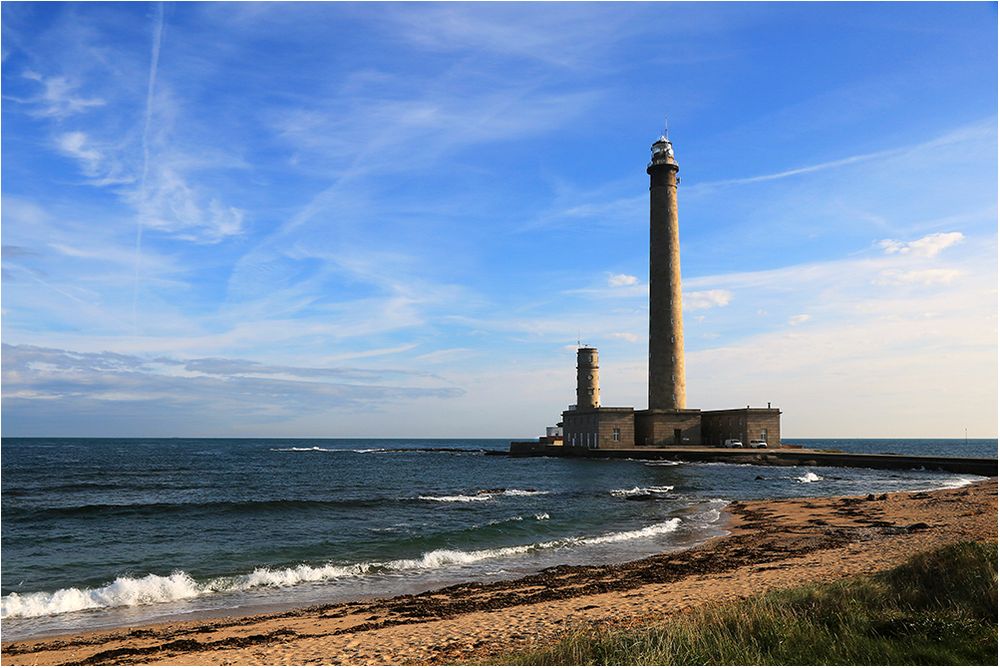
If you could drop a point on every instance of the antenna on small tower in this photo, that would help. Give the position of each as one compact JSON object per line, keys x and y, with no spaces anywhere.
{"x":666,"y":127}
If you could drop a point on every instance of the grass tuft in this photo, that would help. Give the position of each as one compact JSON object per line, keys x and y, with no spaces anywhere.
{"x":939,"y":607}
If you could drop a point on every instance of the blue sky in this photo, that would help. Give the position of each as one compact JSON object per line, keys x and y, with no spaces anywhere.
{"x":397,"y":219}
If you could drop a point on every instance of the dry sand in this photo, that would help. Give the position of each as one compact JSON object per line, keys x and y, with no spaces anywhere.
{"x":772,"y":544}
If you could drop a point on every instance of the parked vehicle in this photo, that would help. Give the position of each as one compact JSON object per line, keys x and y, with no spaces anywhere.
{"x":733,"y":443}
{"x":758,"y":444}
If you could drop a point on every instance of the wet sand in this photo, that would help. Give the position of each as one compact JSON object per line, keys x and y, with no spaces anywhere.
{"x":771,"y":544}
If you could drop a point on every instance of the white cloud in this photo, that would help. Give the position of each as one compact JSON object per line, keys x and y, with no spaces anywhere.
{"x":621,"y":280}
{"x":917,"y":277}
{"x":98,"y":162}
{"x":625,"y":336}
{"x":551,"y":35}
{"x":928,"y":246}
{"x":75,"y":145}
{"x":798,"y":319}
{"x":197,"y":389}
{"x":171,"y":204}
{"x":704,"y":299}
{"x":58,"y":97}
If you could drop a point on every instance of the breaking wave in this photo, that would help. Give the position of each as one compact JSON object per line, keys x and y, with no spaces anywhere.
{"x":123,"y":591}
{"x":178,"y":586}
{"x":961,"y":482}
{"x":646,"y":532}
{"x":809,"y":476}
{"x":641,"y":492}
{"x":315,"y":448}
{"x":364,"y":451}
{"x":457,"y":498}
{"x":481,"y":495}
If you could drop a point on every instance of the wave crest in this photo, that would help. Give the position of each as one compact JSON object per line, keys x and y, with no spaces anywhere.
{"x":124,"y":591}
{"x":481,"y":495}
{"x":641,"y":492}
{"x":178,"y":586}
{"x":669,"y":526}
{"x":315,"y":448}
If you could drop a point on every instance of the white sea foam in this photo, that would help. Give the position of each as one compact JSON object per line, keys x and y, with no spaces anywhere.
{"x":286,"y":577}
{"x":809,"y":477}
{"x":641,"y":491}
{"x":457,"y":498}
{"x":493,"y":523}
{"x":960,"y":482}
{"x":442,"y":558}
{"x":710,"y":516}
{"x":128,"y":592}
{"x":315,"y":448}
{"x":481,"y":496}
{"x":124,"y":591}
{"x":542,"y":516}
{"x":662,"y":463}
{"x":669,"y":526}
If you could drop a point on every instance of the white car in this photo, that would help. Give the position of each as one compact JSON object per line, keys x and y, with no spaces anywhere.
{"x":758,"y":444}
{"x":733,"y":443}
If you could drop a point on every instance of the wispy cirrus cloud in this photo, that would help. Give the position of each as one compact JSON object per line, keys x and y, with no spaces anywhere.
{"x":917,"y":277}
{"x":103,"y":164}
{"x":928,"y":246}
{"x":58,"y":98}
{"x":975,"y":131}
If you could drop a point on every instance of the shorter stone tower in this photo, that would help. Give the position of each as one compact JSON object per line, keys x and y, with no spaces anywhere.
{"x":587,"y":424}
{"x":588,"y":390}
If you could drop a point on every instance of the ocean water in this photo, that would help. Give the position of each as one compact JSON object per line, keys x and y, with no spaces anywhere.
{"x":110,"y":532}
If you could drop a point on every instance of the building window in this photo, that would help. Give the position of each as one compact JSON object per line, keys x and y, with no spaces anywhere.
{"x":616,"y":434}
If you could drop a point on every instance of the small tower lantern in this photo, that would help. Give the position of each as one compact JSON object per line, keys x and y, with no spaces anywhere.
{"x":663,"y":153}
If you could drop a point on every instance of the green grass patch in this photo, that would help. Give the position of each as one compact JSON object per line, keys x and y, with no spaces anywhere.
{"x":938,"y":608}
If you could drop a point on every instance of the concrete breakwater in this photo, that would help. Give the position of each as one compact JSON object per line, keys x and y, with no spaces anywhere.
{"x":784,"y":456}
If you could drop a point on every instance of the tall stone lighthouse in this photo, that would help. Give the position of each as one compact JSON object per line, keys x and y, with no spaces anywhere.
{"x":666,"y":327}
{"x":668,"y":421}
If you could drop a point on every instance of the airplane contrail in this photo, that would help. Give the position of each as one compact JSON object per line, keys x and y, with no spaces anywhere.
{"x":151,"y":87}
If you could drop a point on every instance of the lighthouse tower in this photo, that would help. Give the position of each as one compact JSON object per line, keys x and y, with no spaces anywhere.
{"x":667,"y":389}
{"x":668,"y":420}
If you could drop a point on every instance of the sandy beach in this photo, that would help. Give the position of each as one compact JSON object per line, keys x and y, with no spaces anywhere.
{"x":771,"y":544}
